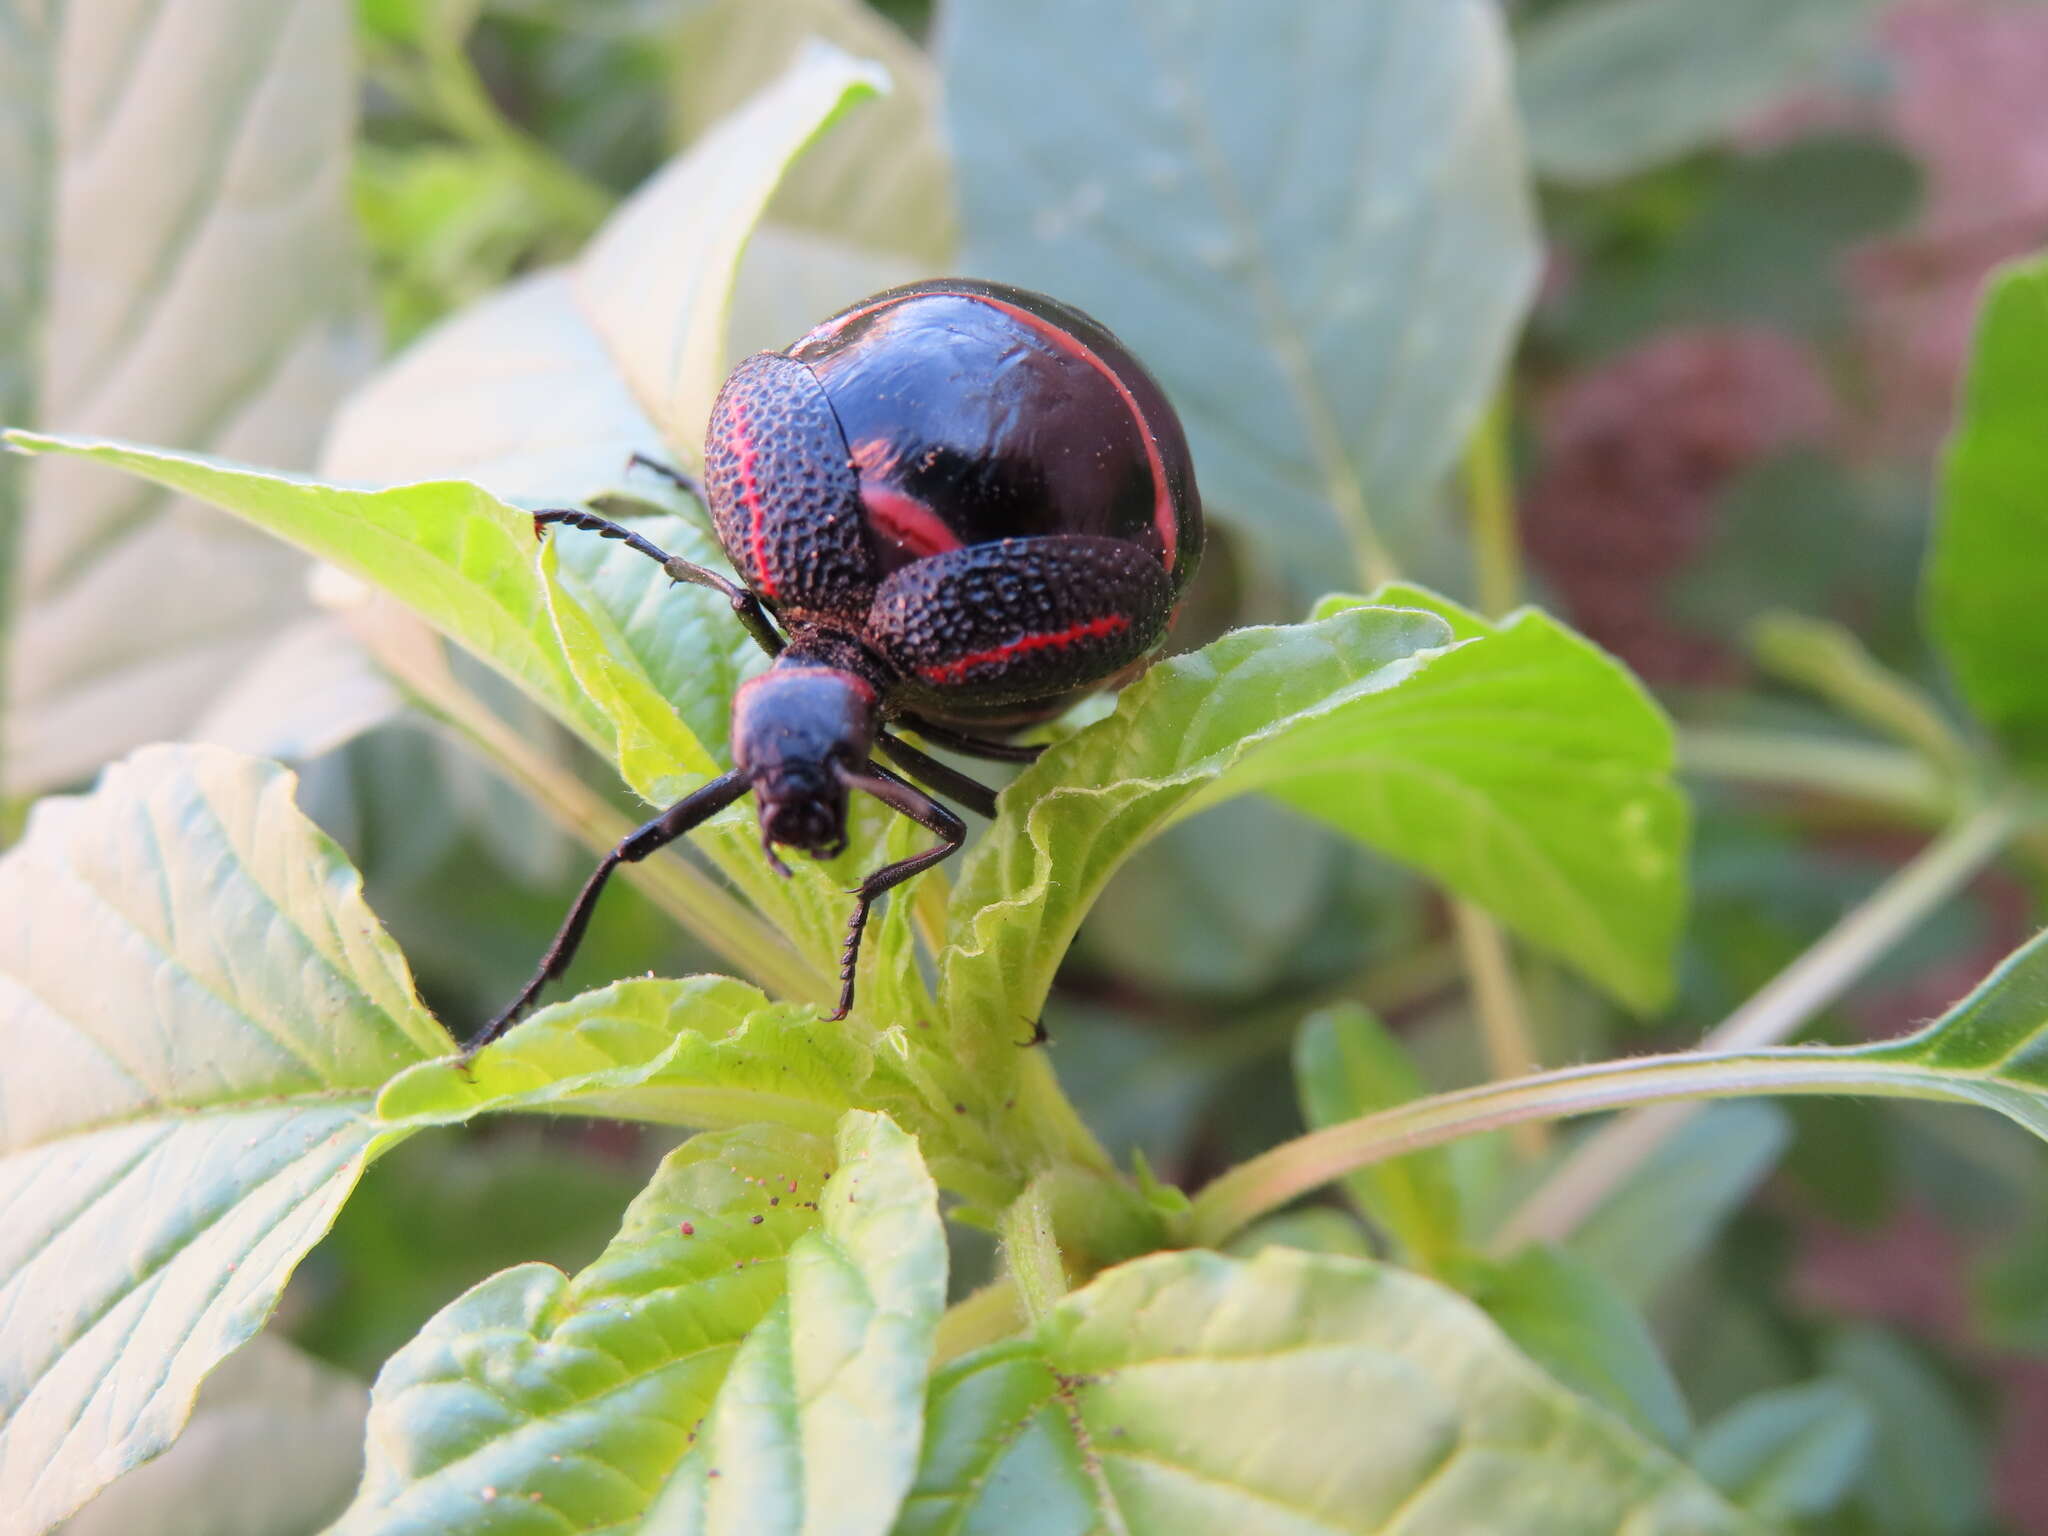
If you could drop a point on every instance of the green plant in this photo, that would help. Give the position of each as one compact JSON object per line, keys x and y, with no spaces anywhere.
{"x":224,"y":1038}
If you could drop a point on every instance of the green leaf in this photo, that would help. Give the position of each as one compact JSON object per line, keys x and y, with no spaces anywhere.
{"x":705,"y":1052}
{"x":1347,"y":1064}
{"x":1523,"y":768}
{"x":1674,"y":1206}
{"x":1565,"y":1316}
{"x":879,"y":182}
{"x":456,"y":555}
{"x":1193,"y":731}
{"x":1311,"y":221}
{"x":818,"y":1424}
{"x":1991,"y":535}
{"x":180,"y":267}
{"x":1612,"y":87}
{"x":211,"y":1009}
{"x":1193,"y":1393}
{"x":1792,"y":1454}
{"x":535,"y":1402}
{"x":1929,"y":1475}
{"x":657,"y":281}
{"x":514,"y":393}
{"x":268,"y":1406}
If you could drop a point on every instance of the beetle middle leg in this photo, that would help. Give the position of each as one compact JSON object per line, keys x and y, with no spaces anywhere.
{"x":744,"y":603}
{"x":686,"y":815}
{"x":899,"y":795}
{"x":972,"y":793}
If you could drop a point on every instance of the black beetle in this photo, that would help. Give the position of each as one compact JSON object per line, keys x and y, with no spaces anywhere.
{"x":965,"y":504}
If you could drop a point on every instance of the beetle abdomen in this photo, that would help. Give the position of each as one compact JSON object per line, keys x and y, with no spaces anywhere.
{"x":783,"y":494}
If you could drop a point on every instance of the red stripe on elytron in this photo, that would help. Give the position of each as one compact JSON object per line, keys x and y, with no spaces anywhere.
{"x":1066,"y":341}
{"x":1089,"y":629}
{"x":750,"y":497}
{"x":907,"y":520}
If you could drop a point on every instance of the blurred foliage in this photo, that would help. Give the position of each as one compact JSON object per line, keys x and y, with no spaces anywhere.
{"x":1747,"y":273}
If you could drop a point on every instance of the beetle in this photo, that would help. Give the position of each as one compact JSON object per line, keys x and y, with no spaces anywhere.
{"x":955,"y":507}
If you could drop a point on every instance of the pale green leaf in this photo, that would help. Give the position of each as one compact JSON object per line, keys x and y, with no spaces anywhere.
{"x":1991,"y":536}
{"x":212,"y":1009}
{"x":1673,"y":1207}
{"x":1615,"y":86}
{"x":1789,"y":1454}
{"x":1929,"y":1475}
{"x":656,"y":282}
{"x":1311,"y":222}
{"x":1347,"y":1064}
{"x":790,"y":279}
{"x":536,"y":1402}
{"x":268,"y":1407}
{"x":1293,"y":1395}
{"x":456,"y":555}
{"x":817,"y":1427}
{"x":1565,"y":1316}
{"x":181,"y":268}
{"x":879,"y":182}
{"x":514,"y":393}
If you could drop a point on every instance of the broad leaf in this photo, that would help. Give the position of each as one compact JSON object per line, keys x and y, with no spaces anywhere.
{"x":656,"y":283}
{"x":1614,"y":86}
{"x":1672,"y":1209}
{"x":515,"y":393}
{"x":709,"y":1053}
{"x":1310,"y":221}
{"x":1928,"y":1474}
{"x":879,"y":182}
{"x":1197,"y":1394}
{"x":1522,"y":768}
{"x":454,"y":554}
{"x":1790,"y":1454}
{"x":535,"y":1401}
{"x":267,"y":1407}
{"x":211,"y":1009}
{"x":1347,"y":1064}
{"x":1991,"y":537}
{"x":181,"y":267}
{"x":1564,"y":1315}
{"x":818,"y":1424}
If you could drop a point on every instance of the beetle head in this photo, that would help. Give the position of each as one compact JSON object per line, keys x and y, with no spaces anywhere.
{"x":798,"y":730}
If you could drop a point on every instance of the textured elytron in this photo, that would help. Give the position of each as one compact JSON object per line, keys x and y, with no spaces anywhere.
{"x":1019,"y":619}
{"x":783,"y":494}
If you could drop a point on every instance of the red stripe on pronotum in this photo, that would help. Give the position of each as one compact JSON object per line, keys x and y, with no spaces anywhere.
{"x":750,"y":497}
{"x":1089,"y":629}
{"x":1066,"y":341}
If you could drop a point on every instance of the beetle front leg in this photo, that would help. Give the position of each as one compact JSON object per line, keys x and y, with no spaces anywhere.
{"x":686,"y":815}
{"x":745,"y":605}
{"x":899,"y":795}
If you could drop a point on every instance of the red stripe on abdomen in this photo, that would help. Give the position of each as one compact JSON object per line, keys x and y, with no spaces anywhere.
{"x":749,"y":457}
{"x":1090,"y":629}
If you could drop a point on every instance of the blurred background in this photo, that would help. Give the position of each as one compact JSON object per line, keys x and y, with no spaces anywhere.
{"x":1764,"y":228}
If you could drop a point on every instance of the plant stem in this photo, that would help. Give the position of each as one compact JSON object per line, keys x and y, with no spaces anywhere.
{"x":1031,"y":1251}
{"x":1503,"y":1020}
{"x":1890,"y":777}
{"x":1497,"y":576}
{"x":1292,"y":1169}
{"x":1490,"y":502}
{"x":1602,"y":1163}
